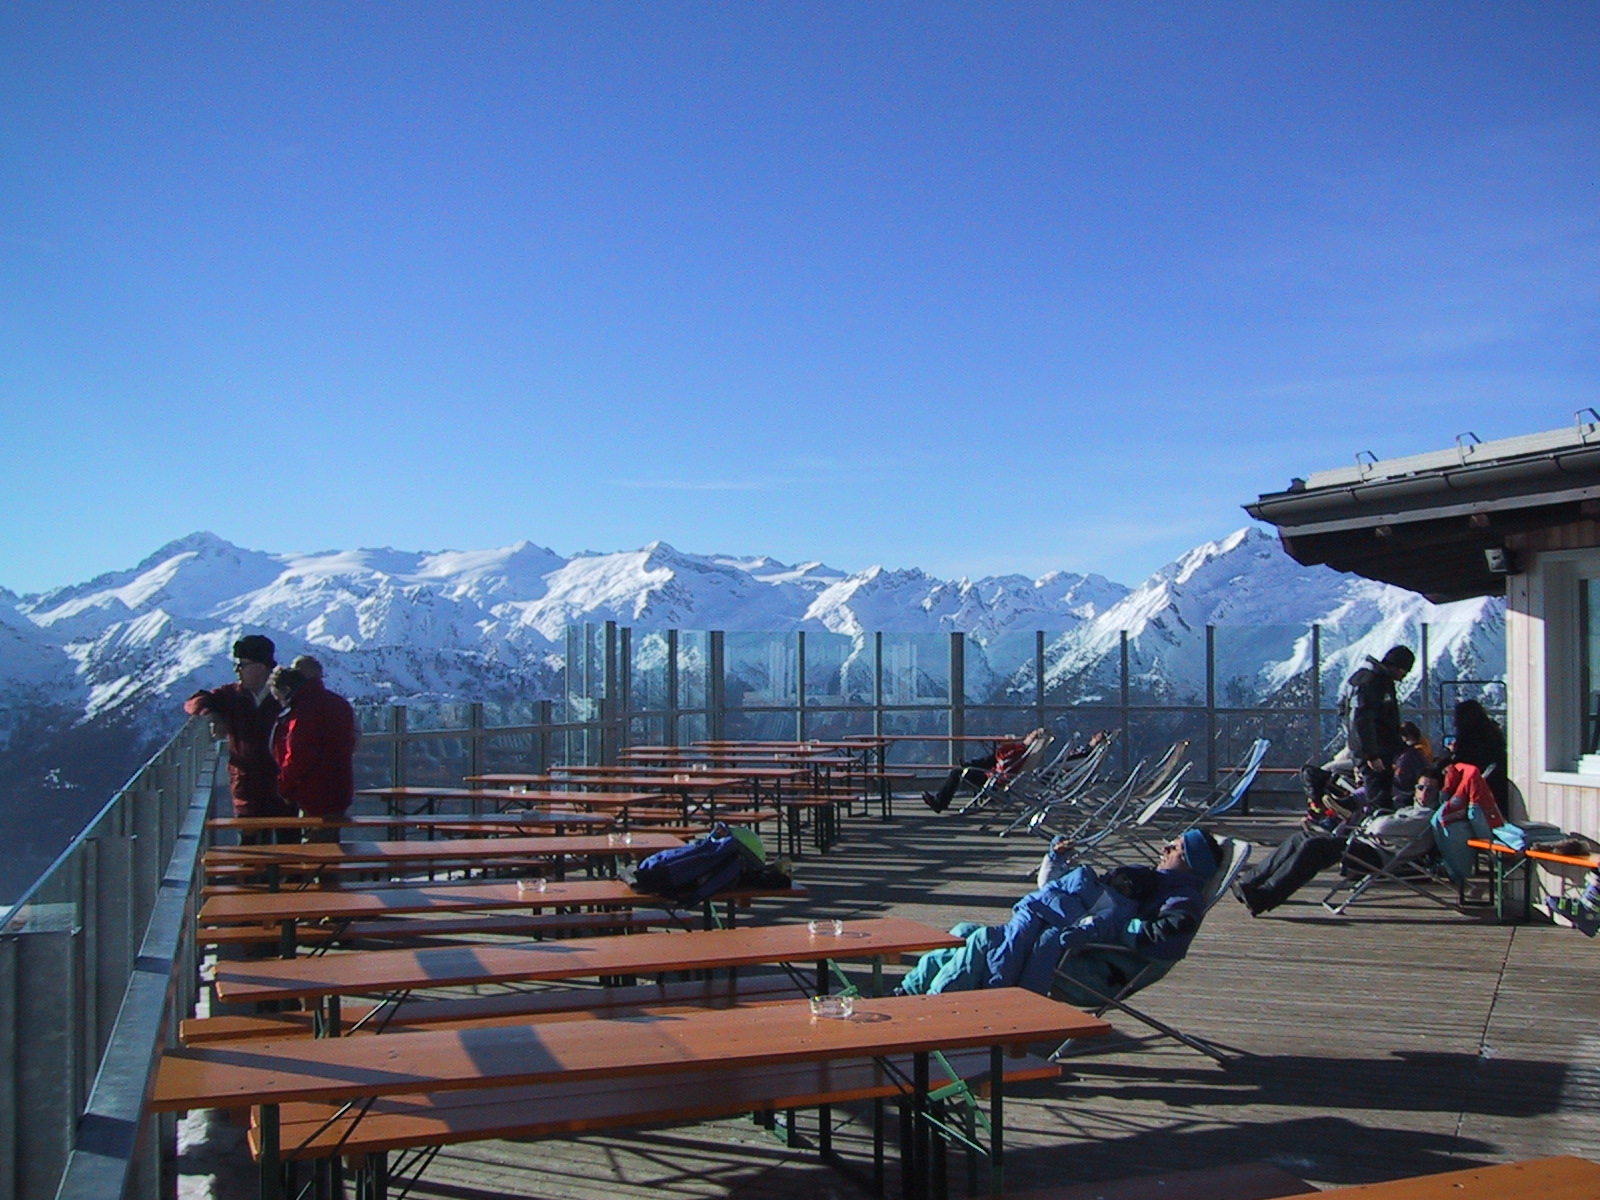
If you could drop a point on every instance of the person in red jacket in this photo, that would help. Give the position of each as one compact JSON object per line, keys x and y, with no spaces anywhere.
{"x":314,"y":744}
{"x":245,"y":713}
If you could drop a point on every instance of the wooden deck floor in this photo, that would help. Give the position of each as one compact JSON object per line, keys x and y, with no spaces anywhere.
{"x":1396,"y":1040}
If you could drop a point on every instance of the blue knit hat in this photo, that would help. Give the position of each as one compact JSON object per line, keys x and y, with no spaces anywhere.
{"x":1198,"y":854}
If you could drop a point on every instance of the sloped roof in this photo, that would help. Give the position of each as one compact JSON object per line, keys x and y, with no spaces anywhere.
{"x":1423,"y":522}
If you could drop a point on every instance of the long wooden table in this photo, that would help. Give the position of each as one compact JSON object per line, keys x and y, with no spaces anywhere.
{"x":388,"y":972}
{"x":311,"y":857}
{"x":271,"y":1073}
{"x":427,"y":798}
{"x":556,"y":822}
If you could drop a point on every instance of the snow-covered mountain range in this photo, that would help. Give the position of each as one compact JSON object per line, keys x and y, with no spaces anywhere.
{"x":92,"y":673}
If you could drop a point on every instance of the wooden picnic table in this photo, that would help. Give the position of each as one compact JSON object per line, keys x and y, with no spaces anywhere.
{"x":383,"y":972}
{"x":427,"y":798}
{"x":1507,"y":862}
{"x":310,"y":857}
{"x":288,"y":910}
{"x":272,"y":1073}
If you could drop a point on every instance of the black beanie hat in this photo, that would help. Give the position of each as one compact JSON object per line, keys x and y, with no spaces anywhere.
{"x":1400,"y":659}
{"x":255,"y":648}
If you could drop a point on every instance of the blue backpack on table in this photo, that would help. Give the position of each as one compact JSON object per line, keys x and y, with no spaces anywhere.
{"x":699,"y":870}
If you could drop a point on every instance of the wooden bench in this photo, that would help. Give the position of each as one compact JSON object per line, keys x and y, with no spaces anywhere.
{"x":310,"y":1131}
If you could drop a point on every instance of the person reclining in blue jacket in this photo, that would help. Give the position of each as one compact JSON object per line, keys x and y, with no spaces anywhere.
{"x":1153,"y":911}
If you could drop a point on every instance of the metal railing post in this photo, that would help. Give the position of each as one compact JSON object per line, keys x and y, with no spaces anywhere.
{"x":716,"y":688}
{"x":397,"y":751}
{"x":958,"y":691}
{"x":1211,"y":703}
{"x":800,"y":685}
{"x":1122,"y":641}
{"x":877,"y":685}
{"x":475,"y":737}
{"x":672,"y":687}
{"x":625,"y":685}
{"x":1038,"y":679}
{"x":544,"y":715}
{"x":1318,"y":733}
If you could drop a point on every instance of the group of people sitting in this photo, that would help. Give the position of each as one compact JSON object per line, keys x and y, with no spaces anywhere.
{"x":291,"y":741}
{"x":1403,"y":792}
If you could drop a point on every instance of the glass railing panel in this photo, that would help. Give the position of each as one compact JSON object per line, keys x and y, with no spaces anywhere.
{"x":647,"y":731}
{"x":1073,"y":727}
{"x":694,"y":664}
{"x":1000,"y":669}
{"x":749,"y":726}
{"x":508,"y":753}
{"x":916,"y":668}
{"x":374,"y":718}
{"x":933,"y":723}
{"x":374,"y":764}
{"x":760,"y":670}
{"x":1263,"y":666}
{"x":647,"y":681}
{"x":999,"y":722}
{"x":1082,"y":673}
{"x":437,"y":761}
{"x":692,"y":727}
{"x":437,"y":714}
{"x":838,"y":669}
{"x":1290,"y":734}
{"x":832,"y":726}
{"x":1151,"y":734}
{"x":497,"y":714}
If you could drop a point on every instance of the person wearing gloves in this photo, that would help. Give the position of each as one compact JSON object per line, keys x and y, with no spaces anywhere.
{"x":1153,"y":911}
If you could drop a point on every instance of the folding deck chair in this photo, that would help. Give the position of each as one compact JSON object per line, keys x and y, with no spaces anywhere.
{"x":997,"y":787}
{"x":1071,"y":783}
{"x":1371,"y":858}
{"x":1144,"y":793}
{"x":1140,"y":972}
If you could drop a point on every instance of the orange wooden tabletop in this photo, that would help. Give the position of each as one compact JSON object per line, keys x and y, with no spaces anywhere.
{"x":457,"y":850}
{"x":508,"y":820}
{"x":256,"y":907}
{"x":362,"y":972}
{"x":1564,"y":1178}
{"x":504,"y":796}
{"x":704,"y":781}
{"x":276,"y":1072}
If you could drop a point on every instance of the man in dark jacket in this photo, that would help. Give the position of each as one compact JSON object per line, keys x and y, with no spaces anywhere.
{"x":314,"y":745}
{"x":1374,"y":734}
{"x":245,"y":713}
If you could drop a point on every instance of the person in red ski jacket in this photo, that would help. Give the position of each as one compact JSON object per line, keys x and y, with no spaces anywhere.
{"x":314,"y":746}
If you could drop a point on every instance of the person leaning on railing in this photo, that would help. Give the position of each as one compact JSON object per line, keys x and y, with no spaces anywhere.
{"x":245,"y":713}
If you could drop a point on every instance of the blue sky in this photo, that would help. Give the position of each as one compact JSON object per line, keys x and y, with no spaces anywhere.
{"x":974,"y":288}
